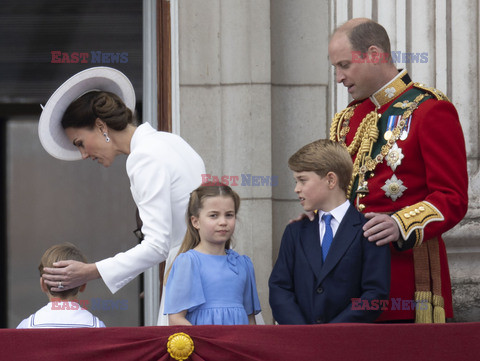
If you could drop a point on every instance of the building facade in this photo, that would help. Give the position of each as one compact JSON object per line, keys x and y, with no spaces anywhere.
{"x":256,"y":84}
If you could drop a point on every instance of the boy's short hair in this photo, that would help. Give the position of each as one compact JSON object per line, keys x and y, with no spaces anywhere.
{"x":61,"y":252}
{"x":323,"y":156}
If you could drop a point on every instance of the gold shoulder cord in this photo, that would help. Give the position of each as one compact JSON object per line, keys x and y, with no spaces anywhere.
{"x":363,"y":161}
{"x":341,"y":126}
{"x":365,"y":137}
{"x":362,"y":143}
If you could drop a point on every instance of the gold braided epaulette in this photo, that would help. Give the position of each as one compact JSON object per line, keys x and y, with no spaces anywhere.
{"x":416,"y":217}
{"x":435,"y":92}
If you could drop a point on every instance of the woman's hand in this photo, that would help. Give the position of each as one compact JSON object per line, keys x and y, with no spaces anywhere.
{"x":65,"y":275}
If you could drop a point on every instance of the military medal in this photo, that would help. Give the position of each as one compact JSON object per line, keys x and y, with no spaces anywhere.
{"x":362,"y":187}
{"x":390,"y":126}
{"x":406,"y":128}
{"x":394,"y":188}
{"x":394,"y":157}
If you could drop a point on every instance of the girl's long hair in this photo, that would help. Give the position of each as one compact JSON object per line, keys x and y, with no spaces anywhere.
{"x":195,"y":204}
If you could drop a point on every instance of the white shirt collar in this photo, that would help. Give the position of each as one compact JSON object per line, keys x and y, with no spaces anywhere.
{"x":337,"y":213}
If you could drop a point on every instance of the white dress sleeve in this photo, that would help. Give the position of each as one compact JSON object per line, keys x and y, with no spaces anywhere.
{"x":151,"y":190}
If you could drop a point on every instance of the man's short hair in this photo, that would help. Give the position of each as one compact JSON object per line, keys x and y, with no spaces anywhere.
{"x":366,"y":34}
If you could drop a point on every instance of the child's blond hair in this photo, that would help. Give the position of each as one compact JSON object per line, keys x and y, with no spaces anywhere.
{"x":323,"y":156}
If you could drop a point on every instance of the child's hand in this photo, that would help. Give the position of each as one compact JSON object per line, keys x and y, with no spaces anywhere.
{"x":310,"y":215}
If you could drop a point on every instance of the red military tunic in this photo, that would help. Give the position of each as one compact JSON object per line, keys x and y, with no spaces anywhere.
{"x":420,"y":178}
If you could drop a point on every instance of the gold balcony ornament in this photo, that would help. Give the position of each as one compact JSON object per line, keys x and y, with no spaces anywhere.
{"x":180,"y":346}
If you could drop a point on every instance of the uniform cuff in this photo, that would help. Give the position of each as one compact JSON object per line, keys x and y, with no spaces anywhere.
{"x":412,"y":220}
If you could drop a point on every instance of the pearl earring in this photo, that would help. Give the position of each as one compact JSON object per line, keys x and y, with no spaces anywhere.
{"x":106,"y":137}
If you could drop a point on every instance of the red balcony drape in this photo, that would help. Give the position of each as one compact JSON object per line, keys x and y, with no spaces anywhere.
{"x":453,"y":341}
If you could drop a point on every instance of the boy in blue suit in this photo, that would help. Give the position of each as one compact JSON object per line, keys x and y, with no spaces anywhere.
{"x":326,"y":270}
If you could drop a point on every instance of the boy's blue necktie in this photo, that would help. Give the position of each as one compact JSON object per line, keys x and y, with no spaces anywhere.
{"x":328,"y":236}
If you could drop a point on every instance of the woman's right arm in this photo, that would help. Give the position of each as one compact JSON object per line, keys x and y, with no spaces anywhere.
{"x":151,"y":189}
{"x":71,"y":273}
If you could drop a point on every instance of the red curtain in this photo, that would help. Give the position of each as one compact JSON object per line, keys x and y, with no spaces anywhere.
{"x":453,"y":341}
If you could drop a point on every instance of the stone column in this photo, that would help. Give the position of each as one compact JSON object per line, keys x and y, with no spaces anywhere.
{"x":225,"y":111}
{"x":463,"y":71}
{"x":300,"y":71}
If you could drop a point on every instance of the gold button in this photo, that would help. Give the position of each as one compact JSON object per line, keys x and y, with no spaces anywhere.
{"x":361,"y":207}
{"x":394,"y":188}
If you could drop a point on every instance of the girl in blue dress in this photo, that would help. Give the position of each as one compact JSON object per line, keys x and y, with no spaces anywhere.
{"x":209,"y":283}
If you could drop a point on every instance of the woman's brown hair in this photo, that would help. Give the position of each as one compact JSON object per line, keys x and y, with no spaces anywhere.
{"x":107,"y":106}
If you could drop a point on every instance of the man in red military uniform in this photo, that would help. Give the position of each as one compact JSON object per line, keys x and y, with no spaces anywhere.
{"x":410,"y":176}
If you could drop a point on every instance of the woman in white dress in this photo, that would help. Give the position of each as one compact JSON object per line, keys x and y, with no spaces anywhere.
{"x":91,"y":116}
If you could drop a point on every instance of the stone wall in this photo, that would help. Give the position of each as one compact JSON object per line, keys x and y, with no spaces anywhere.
{"x":225,"y":110}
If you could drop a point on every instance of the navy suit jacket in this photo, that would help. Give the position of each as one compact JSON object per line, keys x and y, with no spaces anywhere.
{"x":304,"y":290}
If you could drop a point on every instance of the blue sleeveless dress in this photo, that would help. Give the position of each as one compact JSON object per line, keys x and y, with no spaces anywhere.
{"x":216,"y":290}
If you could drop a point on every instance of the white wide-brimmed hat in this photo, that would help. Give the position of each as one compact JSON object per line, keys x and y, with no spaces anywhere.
{"x":50,"y":130}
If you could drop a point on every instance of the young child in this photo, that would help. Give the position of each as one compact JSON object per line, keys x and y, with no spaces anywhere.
{"x":209,"y":283}
{"x":62,"y":311}
{"x":326,"y":270}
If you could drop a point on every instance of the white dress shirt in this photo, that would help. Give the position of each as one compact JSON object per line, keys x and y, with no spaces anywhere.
{"x":337,"y":216}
